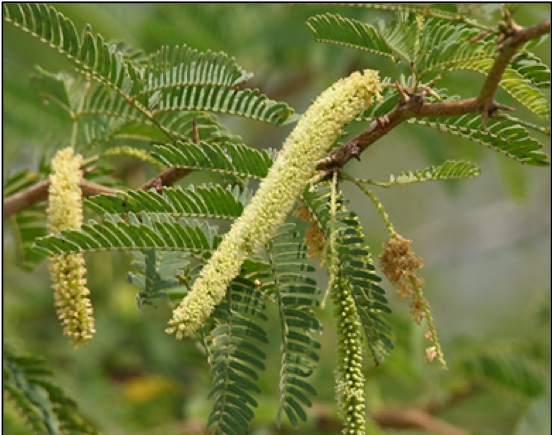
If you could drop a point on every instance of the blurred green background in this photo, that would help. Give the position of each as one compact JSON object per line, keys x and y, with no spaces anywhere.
{"x":485,"y":242}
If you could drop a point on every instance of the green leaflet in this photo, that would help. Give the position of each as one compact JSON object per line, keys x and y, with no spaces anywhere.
{"x":209,"y":202}
{"x":502,"y":135}
{"x":46,"y":407}
{"x":134,"y":92}
{"x":118,"y":235}
{"x":236,"y":159}
{"x":232,"y":340}
{"x":439,"y":45}
{"x":356,"y":267}
{"x":294,"y":296}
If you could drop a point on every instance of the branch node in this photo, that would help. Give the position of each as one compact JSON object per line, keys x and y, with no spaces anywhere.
{"x":383,"y":123}
{"x":405,"y":98}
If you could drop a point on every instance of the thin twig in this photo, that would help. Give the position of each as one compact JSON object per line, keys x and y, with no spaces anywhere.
{"x":39,"y":193}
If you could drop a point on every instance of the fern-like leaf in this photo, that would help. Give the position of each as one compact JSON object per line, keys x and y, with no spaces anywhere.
{"x":211,"y":202}
{"x":357,"y":268}
{"x":335,"y":29}
{"x":190,"y":81}
{"x":450,"y":170}
{"x":209,"y":127}
{"x":46,"y":407}
{"x":502,"y":135}
{"x":294,"y":293}
{"x":441,"y":42}
{"x":140,"y":233}
{"x":235,"y":357}
{"x":427,"y":10}
{"x":184,"y":66}
{"x":235,"y":159}
{"x":515,"y":84}
{"x":249,"y":103}
{"x":89,"y":53}
{"x":114,"y":130}
{"x":438,"y":45}
{"x":156,"y":272}
{"x":532,"y":68}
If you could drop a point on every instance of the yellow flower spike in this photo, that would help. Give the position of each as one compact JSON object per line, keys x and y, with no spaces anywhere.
{"x":309,"y":142}
{"x":68,"y":271}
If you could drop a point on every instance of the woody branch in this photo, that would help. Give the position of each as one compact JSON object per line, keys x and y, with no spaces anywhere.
{"x":410,"y":106}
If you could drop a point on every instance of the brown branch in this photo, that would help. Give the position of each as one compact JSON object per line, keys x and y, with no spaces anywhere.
{"x":415,"y":418}
{"x":325,"y":419}
{"x":39,"y":192}
{"x":407,"y":418}
{"x":166,"y":178}
{"x":415,"y":106}
{"x":171,"y":175}
{"x":515,"y":36}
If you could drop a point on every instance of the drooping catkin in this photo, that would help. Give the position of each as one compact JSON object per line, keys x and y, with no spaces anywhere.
{"x":309,"y":141}
{"x":67,"y":271}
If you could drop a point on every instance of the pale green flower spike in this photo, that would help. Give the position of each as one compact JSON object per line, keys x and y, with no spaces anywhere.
{"x":349,"y":377}
{"x":310,"y":141}
{"x":68,"y":271}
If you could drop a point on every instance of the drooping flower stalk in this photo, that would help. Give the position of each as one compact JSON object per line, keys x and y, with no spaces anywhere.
{"x":309,"y":141}
{"x":68,"y":271}
{"x":399,"y":263}
{"x":349,"y":377}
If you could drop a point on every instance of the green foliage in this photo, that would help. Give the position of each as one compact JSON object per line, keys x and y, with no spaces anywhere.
{"x":295,"y":294}
{"x":235,"y":159}
{"x":232,"y":340}
{"x":357,"y":269}
{"x":208,"y":202}
{"x":140,"y":233}
{"x":130,"y":94}
{"x":156,"y":273}
{"x":46,"y":408}
{"x":122,"y":101}
{"x":503,"y":135}
{"x":450,"y":170}
{"x":522,"y":84}
{"x":433,"y":46}
{"x":506,"y":368}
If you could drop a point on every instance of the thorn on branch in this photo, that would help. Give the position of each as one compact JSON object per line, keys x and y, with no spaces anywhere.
{"x":383,"y":123}
{"x":405,"y":96}
{"x":493,"y":112}
{"x":195,"y":131}
{"x":158,"y":185}
{"x":356,"y":150}
{"x":484,"y":119}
